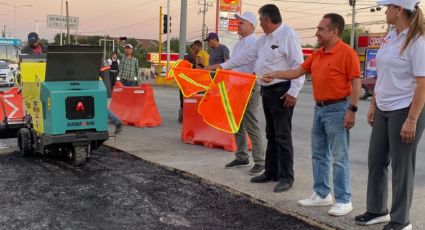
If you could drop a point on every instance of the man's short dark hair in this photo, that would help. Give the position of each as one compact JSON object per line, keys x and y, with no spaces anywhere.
{"x":337,"y":21}
{"x":197,"y":43}
{"x":271,"y":12}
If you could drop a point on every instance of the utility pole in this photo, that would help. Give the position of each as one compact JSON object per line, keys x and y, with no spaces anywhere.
{"x":61,"y":38}
{"x":168,"y":35}
{"x":104,"y":49}
{"x":183,"y":27}
{"x":67,"y":24}
{"x":353,"y":22}
{"x":36,"y":26}
{"x":205,"y":6}
{"x":160,"y":42}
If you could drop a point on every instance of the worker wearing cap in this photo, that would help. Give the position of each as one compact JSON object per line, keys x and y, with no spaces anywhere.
{"x":219,"y":53}
{"x":278,"y":49}
{"x":129,"y":67}
{"x":246,"y":28}
{"x":34,"y":46}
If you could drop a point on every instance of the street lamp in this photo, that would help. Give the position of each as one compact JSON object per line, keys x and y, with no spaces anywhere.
{"x":353,"y":21}
{"x":14,"y":13}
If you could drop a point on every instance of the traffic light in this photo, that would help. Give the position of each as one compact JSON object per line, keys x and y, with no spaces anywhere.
{"x":166,"y":25}
{"x":351,"y":2}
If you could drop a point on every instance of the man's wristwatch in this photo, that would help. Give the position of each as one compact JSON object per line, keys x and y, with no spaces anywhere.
{"x":353,"y":108}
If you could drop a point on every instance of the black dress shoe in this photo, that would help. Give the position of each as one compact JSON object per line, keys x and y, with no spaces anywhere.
{"x":263,"y":178}
{"x":282,"y":186}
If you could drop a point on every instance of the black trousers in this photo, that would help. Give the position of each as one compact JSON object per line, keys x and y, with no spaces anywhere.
{"x":113,"y":77}
{"x":181,"y":99}
{"x":280,"y":153}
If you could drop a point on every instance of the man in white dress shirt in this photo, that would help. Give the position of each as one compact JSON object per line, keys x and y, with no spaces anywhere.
{"x":246,"y":29}
{"x":279,"y":49}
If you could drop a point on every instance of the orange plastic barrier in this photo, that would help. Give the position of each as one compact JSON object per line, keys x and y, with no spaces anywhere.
{"x":135,"y":105}
{"x":11,"y":105}
{"x":196,"y":131}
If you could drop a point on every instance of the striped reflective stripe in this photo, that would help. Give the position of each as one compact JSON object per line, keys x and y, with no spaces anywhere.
{"x":227,"y":108}
{"x":170,"y":74}
{"x":188,"y":79}
{"x":171,"y":71}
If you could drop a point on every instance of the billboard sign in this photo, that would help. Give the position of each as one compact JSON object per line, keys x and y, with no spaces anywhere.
{"x":376,"y":40}
{"x":10,"y":41}
{"x":370,"y":63}
{"x":57,"y":21}
{"x":230,"y":5}
{"x":227,"y":24}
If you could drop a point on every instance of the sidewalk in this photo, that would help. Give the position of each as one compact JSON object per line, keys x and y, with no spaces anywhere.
{"x":162,"y":145}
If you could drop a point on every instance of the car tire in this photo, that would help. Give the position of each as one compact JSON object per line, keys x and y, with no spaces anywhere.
{"x":364,"y":93}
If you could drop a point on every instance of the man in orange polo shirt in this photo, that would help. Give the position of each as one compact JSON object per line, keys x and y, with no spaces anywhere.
{"x":335,"y":70}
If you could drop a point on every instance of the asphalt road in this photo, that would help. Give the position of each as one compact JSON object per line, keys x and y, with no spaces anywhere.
{"x":116,"y":190}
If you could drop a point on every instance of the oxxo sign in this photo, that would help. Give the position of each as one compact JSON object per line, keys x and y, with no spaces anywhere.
{"x":376,"y":41}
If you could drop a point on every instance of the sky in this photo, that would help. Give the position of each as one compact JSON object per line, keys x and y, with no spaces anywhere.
{"x":140,"y":18}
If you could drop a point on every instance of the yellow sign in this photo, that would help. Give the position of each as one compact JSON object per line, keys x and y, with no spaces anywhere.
{"x":230,"y":5}
{"x":230,"y":2}
{"x":154,"y":57}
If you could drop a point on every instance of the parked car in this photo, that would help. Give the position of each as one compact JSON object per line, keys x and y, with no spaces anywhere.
{"x":368,"y":86}
{"x":6,"y":74}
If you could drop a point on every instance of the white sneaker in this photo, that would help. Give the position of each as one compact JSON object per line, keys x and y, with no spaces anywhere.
{"x":315,"y":200}
{"x":340,"y":209}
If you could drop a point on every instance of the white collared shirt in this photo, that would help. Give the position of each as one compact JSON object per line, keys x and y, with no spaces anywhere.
{"x":240,"y":48}
{"x":396,"y":81}
{"x":277,"y":51}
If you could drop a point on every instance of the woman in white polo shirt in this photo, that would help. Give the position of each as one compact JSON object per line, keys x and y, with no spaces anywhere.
{"x":396,"y":115}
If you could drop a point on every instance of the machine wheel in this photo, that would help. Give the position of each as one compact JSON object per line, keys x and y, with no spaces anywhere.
{"x":364,"y":93}
{"x":24,"y":142}
{"x":79,"y":155}
{"x":33,"y":136}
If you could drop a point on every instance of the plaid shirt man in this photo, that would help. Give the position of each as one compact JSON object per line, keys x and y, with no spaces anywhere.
{"x":129,"y":68}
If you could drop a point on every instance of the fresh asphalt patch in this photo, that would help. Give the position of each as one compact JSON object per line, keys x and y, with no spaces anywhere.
{"x":116,"y":190}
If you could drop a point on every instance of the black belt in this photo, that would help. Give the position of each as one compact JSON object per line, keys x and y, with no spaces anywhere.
{"x":330,"y":102}
{"x":283,"y":83}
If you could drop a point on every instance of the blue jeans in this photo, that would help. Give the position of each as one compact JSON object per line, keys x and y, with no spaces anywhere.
{"x":113,"y":118}
{"x":128,"y":82}
{"x":331,"y":140}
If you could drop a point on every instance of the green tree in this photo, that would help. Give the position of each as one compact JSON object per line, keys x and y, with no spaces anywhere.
{"x":85,"y":40}
{"x":346,"y":34}
{"x":138,"y":51}
{"x":44,"y":42}
{"x":174,"y":45}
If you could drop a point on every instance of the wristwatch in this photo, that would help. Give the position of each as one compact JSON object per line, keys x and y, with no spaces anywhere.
{"x":353,"y":108}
